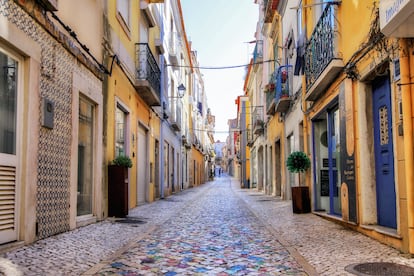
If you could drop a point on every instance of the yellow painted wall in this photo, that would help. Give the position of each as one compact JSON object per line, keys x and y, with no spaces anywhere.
{"x":275,"y":132}
{"x":198,"y":157}
{"x":121,"y":87}
{"x":358,"y":15}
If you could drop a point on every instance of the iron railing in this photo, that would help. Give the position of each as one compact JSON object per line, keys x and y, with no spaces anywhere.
{"x":271,"y":94}
{"x":258,"y":120}
{"x":321,"y":48}
{"x":147,"y":68}
{"x":284,"y":81}
{"x":176,"y":112}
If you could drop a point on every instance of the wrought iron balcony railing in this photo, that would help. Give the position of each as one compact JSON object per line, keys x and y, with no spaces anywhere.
{"x":284,"y":83}
{"x":258,"y":120}
{"x":250,"y":135}
{"x":173,"y":48}
{"x":270,"y":92}
{"x":147,"y":75}
{"x":323,"y":60}
{"x":279,"y":96}
{"x":176,"y":112}
{"x":270,"y":7}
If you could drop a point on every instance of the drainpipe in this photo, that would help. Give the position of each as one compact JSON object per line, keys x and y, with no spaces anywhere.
{"x":406,"y":98}
{"x":161,"y":145}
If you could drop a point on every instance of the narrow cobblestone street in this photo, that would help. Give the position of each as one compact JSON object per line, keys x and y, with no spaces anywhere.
{"x":214,"y":234}
{"x":214,"y":229}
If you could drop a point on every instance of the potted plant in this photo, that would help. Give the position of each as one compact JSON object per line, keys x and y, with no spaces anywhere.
{"x":299,"y":162}
{"x":118,"y":186}
{"x":122,"y":161}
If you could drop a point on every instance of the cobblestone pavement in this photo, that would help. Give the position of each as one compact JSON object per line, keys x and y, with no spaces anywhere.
{"x":215,"y":234}
{"x":214,"y":229}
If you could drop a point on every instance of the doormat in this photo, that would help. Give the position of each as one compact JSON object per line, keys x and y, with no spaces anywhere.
{"x":380,"y":269}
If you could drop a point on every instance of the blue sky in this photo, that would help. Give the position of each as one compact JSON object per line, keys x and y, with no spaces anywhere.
{"x":219,"y":30}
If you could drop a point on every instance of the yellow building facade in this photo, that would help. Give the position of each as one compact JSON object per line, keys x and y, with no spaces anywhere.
{"x":354,"y":106}
{"x":132,"y":128}
{"x":339,"y":76}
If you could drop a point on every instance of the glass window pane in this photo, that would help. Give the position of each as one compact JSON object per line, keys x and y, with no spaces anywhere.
{"x":8,"y":104}
{"x":85,"y":157}
{"x":120,"y":120}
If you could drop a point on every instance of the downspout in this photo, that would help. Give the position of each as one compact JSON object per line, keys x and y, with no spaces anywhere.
{"x":406,"y":98}
{"x":161,"y":145}
{"x":306,"y":129}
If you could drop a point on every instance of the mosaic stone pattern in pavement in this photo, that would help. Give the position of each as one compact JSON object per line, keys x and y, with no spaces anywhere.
{"x":215,"y":235}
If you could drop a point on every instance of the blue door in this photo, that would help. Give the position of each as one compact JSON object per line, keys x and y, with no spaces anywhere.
{"x":384,"y":157}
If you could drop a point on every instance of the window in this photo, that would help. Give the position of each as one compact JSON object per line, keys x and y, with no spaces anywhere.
{"x":8,"y":104}
{"x":123,"y":7}
{"x":120,"y":131}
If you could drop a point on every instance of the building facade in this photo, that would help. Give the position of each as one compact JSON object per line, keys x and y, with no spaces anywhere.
{"x":343,"y":98}
{"x":51,"y":122}
{"x":76,"y":92}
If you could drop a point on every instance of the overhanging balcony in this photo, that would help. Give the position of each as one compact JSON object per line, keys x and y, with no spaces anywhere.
{"x":323,"y":60}
{"x":173,"y":49}
{"x":270,"y":7}
{"x":250,"y":136}
{"x":284,"y":83}
{"x":176,"y":111}
{"x":258,"y":121}
{"x":279,"y":96}
{"x":270,"y":92}
{"x":147,"y":75}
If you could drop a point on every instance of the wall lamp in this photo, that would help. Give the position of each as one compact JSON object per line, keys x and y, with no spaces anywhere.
{"x":181,"y":91}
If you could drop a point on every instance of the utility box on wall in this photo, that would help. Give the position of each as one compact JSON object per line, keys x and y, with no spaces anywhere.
{"x":48,"y":111}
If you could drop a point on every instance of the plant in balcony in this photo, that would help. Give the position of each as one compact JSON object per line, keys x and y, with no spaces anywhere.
{"x":284,"y":94}
{"x":299,"y":162}
{"x":118,"y":186}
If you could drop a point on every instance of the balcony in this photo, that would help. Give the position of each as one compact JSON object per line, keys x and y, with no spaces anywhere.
{"x":257,"y":119}
{"x":284,"y":83}
{"x":186,"y":139}
{"x":323,"y":61}
{"x":279,"y":96}
{"x":270,"y":92}
{"x":173,"y":52}
{"x":250,"y":136}
{"x":176,"y":111}
{"x":270,"y":7}
{"x":147,"y":75}
{"x":257,"y":55}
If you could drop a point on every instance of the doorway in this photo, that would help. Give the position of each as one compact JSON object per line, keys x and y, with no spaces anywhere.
{"x":327,"y":161}
{"x":383,"y":150}
{"x":142,"y":161}
{"x":85,"y":157}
